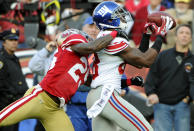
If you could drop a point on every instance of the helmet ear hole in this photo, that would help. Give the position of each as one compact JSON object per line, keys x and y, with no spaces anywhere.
{"x":110,"y":20}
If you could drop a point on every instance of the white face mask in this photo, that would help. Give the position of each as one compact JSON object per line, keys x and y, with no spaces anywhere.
{"x":123,"y":26}
{"x":126,"y":26}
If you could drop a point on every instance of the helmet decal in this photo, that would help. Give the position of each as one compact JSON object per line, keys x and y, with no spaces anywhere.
{"x":104,"y":10}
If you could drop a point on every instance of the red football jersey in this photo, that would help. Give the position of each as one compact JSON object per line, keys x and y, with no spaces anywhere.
{"x":68,"y":70}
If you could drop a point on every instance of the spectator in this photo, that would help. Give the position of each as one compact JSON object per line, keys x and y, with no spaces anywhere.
{"x":90,"y":28}
{"x":51,"y":19}
{"x":75,"y":21}
{"x":133,"y":5}
{"x":192,"y":4}
{"x":12,"y":81}
{"x":167,"y":84}
{"x":192,"y":116}
{"x":168,"y":3}
{"x":182,"y":15}
{"x":141,"y":17}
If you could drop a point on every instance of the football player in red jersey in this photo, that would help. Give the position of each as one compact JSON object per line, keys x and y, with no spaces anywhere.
{"x":68,"y":70}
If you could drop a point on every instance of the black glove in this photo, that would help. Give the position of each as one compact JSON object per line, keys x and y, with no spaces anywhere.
{"x":121,"y":33}
{"x":138,"y":81}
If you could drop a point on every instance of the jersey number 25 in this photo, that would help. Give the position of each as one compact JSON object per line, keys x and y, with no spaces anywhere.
{"x":81,"y":68}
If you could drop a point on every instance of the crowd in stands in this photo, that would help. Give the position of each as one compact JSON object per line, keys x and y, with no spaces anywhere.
{"x":38,"y":22}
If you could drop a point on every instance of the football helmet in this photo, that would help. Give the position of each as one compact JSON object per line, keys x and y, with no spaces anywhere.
{"x":109,"y":15}
{"x":63,"y":35}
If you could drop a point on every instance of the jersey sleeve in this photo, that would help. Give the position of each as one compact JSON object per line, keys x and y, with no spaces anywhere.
{"x":117,"y":45}
{"x":73,"y":40}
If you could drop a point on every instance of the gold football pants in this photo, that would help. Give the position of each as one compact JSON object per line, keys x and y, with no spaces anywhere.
{"x":36,"y":104}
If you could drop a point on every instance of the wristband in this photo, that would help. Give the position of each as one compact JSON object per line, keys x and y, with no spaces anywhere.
{"x":113,"y":33}
{"x":128,"y":82}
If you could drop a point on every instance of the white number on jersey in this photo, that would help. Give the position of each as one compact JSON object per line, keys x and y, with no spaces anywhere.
{"x":81,"y":68}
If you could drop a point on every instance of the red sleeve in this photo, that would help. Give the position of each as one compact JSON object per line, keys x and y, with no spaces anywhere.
{"x":72,"y":40}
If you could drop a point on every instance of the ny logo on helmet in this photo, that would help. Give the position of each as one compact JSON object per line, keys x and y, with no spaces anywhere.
{"x":104,"y":10}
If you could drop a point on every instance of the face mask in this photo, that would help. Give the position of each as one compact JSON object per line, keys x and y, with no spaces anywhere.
{"x":123,"y":26}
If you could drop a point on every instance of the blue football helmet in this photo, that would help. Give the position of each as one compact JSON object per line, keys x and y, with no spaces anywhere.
{"x":110,"y":15}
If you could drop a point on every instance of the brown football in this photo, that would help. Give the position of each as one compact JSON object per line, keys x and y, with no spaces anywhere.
{"x":156,"y":18}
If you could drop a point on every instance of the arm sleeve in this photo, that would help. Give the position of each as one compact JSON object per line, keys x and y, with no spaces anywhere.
{"x":152,"y":78}
{"x":144,"y":45}
{"x":117,"y":45}
{"x":37,"y":62}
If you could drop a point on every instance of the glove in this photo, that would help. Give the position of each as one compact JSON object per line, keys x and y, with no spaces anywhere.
{"x":121,"y":33}
{"x":164,"y":28}
{"x":148,"y":29}
{"x":138,"y":81}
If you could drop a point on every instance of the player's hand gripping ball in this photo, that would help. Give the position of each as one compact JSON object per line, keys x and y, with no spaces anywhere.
{"x":156,"y":18}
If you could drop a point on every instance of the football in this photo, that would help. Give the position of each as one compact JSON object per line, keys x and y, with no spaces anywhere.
{"x":156,"y":18}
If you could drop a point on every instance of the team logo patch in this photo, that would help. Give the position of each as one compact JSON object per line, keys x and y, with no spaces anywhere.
{"x":104,"y":10}
{"x":64,"y":35}
{"x":188,"y":67}
{"x":1,"y":64}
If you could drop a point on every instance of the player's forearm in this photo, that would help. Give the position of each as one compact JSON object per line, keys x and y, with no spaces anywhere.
{"x":101,"y":43}
{"x":149,"y":57}
{"x":93,"y":46}
{"x":151,"y":54}
{"x":136,"y":58}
